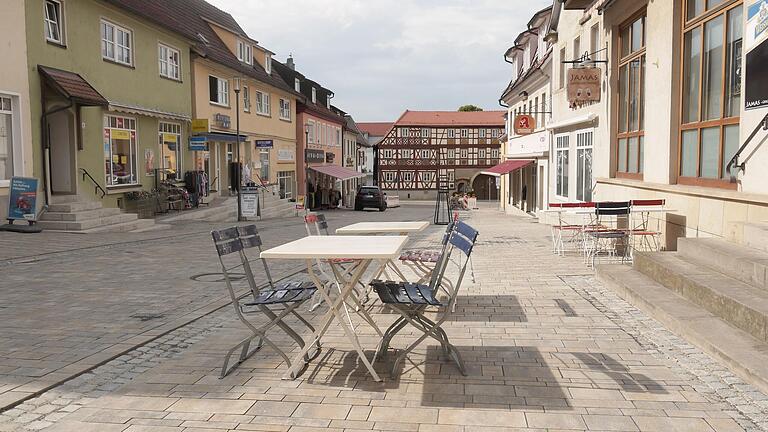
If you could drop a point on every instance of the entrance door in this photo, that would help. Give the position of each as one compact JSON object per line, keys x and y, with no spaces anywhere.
{"x":62,"y":164}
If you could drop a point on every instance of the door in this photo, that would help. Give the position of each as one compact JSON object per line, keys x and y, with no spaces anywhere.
{"x":62,"y":154}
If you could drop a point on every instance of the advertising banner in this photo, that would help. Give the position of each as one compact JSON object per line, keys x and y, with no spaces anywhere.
{"x":314,"y":156}
{"x":22,"y":200}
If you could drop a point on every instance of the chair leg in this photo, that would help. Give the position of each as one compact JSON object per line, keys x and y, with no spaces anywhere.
{"x":244,"y":354}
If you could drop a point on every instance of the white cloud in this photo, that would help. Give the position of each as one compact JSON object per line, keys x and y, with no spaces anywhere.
{"x":382,"y":57}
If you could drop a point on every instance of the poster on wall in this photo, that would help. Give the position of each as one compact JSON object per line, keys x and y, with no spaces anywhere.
{"x":756,"y":87}
{"x":149,"y":162}
{"x":757,"y":22}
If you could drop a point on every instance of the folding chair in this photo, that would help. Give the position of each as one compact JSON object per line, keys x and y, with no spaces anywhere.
{"x":607,"y":235}
{"x":231,"y":245}
{"x":566,"y":233}
{"x":412,"y":300}
{"x":640,"y":227}
{"x":424,"y":261}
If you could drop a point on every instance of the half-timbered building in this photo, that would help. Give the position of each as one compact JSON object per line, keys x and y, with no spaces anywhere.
{"x":455,"y":147}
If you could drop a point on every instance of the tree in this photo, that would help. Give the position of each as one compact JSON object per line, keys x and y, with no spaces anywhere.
{"x":465,"y":108}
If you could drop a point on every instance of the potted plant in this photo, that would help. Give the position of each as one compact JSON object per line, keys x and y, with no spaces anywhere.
{"x":141,"y":202}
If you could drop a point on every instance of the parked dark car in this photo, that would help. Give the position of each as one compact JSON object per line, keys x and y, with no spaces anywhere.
{"x":370,"y":196}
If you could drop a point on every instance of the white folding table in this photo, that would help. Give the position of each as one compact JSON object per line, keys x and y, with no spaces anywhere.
{"x":359,"y":248}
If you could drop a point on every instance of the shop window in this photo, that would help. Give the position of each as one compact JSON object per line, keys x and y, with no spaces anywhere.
{"x":120,"y":160}
{"x":711,"y":90}
{"x":631,"y":118}
{"x":562,"y":156}
{"x":6,"y":139}
{"x":584,"y":166}
{"x":169,"y":135}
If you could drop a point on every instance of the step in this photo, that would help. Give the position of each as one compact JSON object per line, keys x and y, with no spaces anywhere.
{"x":74,"y":206}
{"x":80,"y":215}
{"x":126,"y":226}
{"x":746,"y":356}
{"x":741,"y":262}
{"x":756,"y":236}
{"x":86,"y":225}
{"x":737,"y":303}
{"x":65,"y":199}
{"x":153,"y":227}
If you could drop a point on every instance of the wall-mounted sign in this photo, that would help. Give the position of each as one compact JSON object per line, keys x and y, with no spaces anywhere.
{"x":525,"y":124}
{"x":22,"y":199}
{"x":200,"y":126}
{"x":314,"y":156}
{"x":264,"y":144}
{"x":198,"y":143}
{"x":222,"y":121}
{"x":329,"y":157}
{"x":286,"y":155}
{"x":583,"y":86}
{"x":756,"y":87}
{"x":119,"y":134}
{"x":757,"y":22}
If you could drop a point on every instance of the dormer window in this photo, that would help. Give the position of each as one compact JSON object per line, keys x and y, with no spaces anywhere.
{"x":328,"y":103}
{"x":244,"y":52}
{"x":314,"y":95}
{"x":268,"y":63}
{"x":297,"y":84}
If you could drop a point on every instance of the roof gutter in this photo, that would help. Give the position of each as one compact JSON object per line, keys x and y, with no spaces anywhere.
{"x":605,"y":5}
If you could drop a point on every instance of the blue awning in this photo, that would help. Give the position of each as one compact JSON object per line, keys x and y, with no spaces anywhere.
{"x":223,"y":137}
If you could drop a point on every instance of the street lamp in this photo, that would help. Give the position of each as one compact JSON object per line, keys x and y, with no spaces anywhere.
{"x":237,"y":150}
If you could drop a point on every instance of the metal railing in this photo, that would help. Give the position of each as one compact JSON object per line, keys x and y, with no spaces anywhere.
{"x":98,"y":188}
{"x":735,"y":159}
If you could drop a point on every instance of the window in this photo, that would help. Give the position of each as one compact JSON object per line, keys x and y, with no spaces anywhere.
{"x":285,"y":109}
{"x":120,"y":159}
{"x":268,"y":63}
{"x":543,"y":110}
{"x":264,"y":159}
{"x":263,"y":104}
{"x":631,"y":118}
{"x":244,"y":52}
{"x":6,"y":138}
{"x":563,"y":151}
{"x":311,"y":128}
{"x":481,"y":133}
{"x":218,"y":90}
{"x":389,"y":176}
{"x":536,"y":111}
{"x":584,"y":166}
{"x":407,"y":176}
{"x":495,"y":154}
{"x":406,"y":154}
{"x":403,"y":132}
{"x":297,"y":84}
{"x":246,"y":99}
{"x":464,"y":133}
{"x":169,"y":60}
{"x":169,"y":135}
{"x":116,"y":43}
{"x":711,"y":91}
{"x":561,"y":74}
{"x":230,"y":152}
{"x":577,"y":47}
{"x":386,"y":153}
{"x":314,"y":95}
{"x":451,"y":133}
{"x":53,"y":22}
{"x":495,"y":133}
{"x":425,"y":132}
{"x":594,"y":41}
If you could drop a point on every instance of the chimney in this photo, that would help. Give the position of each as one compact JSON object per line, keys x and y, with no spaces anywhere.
{"x":290,"y":63}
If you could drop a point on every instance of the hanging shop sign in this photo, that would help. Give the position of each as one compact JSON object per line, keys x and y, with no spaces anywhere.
{"x":314,"y":156}
{"x":22,"y":200}
{"x":756,"y":80}
{"x":198,"y":143}
{"x":222,"y":120}
{"x":200,"y":126}
{"x":264,"y":144}
{"x":525,"y":124}
{"x":757,"y":23}
{"x":286,"y":155}
{"x":583,"y":86}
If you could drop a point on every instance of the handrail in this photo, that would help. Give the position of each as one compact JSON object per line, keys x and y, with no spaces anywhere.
{"x":93,"y":180}
{"x":735,"y":159}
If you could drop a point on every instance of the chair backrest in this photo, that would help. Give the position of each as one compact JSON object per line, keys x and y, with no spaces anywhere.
{"x":648,"y":202}
{"x":617,"y":208}
{"x":239,"y":240}
{"x":463,"y":238}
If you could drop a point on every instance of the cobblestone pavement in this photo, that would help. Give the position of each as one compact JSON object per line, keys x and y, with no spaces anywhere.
{"x":547,"y":348}
{"x":69,"y":302}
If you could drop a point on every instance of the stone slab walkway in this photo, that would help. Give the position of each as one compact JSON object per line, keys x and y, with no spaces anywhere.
{"x":547,"y":348}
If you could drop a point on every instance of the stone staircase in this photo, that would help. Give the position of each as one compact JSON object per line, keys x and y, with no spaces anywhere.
{"x":712,"y":291}
{"x":226,"y":210}
{"x":73,"y":213}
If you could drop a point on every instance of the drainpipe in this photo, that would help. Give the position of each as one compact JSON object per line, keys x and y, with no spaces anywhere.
{"x":46,"y":145}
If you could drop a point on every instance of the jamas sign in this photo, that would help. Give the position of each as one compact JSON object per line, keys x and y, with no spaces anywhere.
{"x":583,"y":86}
{"x":525,"y":124}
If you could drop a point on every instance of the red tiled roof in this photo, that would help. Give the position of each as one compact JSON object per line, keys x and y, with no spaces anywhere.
{"x":451,"y":118}
{"x":72,"y":86}
{"x":377,"y":129}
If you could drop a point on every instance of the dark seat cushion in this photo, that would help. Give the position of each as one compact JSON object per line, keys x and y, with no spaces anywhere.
{"x":425,"y":256}
{"x":405,"y":293}
{"x":285,"y":293}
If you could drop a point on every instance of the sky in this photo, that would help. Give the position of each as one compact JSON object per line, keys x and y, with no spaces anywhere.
{"x":383,"y":57}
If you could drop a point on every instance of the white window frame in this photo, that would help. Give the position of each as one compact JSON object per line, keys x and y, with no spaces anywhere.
{"x":133,"y":150}
{"x":387,"y":153}
{"x":425,"y":132}
{"x":389,"y":176}
{"x":165,"y":127}
{"x":246,"y":99}
{"x":16,"y":149}
{"x":406,"y":154}
{"x":268,"y":63}
{"x":562,"y":150}
{"x":297,"y":84}
{"x":222,"y":91}
{"x":263,"y":103}
{"x":494,"y":133}
{"x":465,"y":133}
{"x":311,"y":128}
{"x":406,"y":176}
{"x":584,"y":156}
{"x":106,"y":43}
{"x":481,"y":133}
{"x":451,"y":133}
{"x":166,"y":59}
{"x":285,"y":109}
{"x":314,"y":95}
{"x":244,"y":52}
{"x":58,"y":23}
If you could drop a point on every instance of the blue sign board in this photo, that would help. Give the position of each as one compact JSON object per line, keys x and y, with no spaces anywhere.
{"x":198,"y":143}
{"x":22,"y":200}
{"x":264,"y":144}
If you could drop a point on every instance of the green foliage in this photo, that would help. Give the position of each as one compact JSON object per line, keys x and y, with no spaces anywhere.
{"x":467,"y":108}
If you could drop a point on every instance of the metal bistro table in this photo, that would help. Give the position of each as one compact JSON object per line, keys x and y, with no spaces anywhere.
{"x":359,"y":248}
{"x":373,"y":228}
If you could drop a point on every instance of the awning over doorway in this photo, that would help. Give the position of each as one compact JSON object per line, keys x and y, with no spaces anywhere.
{"x":72,"y":86}
{"x":507,"y":167}
{"x":336,"y":171}
{"x":137,"y":110}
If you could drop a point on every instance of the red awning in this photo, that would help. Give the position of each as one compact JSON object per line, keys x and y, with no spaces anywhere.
{"x":336,"y":171}
{"x":507,"y":167}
